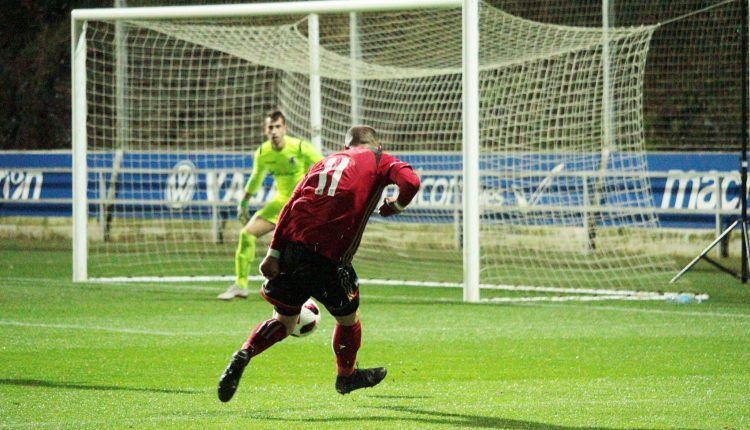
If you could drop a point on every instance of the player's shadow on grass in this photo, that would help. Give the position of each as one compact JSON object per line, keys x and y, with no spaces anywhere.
{"x":388,"y":396}
{"x":477,"y":421}
{"x":70,"y":386}
{"x":424,"y":416}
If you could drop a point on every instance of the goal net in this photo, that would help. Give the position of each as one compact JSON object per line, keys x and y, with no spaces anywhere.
{"x":175,"y":108}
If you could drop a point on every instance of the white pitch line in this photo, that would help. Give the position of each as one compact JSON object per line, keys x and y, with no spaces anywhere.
{"x":132,"y":285}
{"x":186,"y":283}
{"x":365,"y":295}
{"x":175,"y":287}
{"x":109,"y":329}
{"x":546,"y":302}
{"x":391,"y":282}
{"x":647,"y":311}
{"x":162,"y":287}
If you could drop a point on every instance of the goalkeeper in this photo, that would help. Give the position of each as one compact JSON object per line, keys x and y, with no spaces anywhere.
{"x":287,"y":159}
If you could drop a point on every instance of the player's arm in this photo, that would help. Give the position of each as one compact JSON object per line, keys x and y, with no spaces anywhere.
{"x":269,"y":267}
{"x":401,"y":174}
{"x":309,"y":154}
{"x":251,"y":187}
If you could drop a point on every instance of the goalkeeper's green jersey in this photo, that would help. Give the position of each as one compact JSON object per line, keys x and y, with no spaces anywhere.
{"x":287,"y":165}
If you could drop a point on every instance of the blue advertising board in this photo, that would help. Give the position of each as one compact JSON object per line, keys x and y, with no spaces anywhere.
{"x":189,"y":184}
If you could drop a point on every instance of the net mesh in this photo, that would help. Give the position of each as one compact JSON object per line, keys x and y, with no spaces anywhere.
{"x":692,"y":85}
{"x":563,"y":202}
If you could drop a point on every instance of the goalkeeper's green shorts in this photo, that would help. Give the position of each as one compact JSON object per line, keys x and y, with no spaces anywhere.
{"x":270,"y":212}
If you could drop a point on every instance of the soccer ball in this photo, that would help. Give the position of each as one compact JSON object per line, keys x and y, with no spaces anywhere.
{"x":309,"y":317}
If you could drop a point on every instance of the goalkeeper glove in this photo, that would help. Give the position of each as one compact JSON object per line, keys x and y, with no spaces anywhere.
{"x":242,"y":212}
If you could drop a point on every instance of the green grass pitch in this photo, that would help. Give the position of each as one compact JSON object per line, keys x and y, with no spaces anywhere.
{"x":148,"y":356}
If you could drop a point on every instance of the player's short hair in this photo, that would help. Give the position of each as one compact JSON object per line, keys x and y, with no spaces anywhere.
{"x":361,"y":135}
{"x":275,"y":115}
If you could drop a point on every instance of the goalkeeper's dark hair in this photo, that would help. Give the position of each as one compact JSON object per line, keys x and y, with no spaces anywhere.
{"x":275,"y":115}
{"x":361,"y":135}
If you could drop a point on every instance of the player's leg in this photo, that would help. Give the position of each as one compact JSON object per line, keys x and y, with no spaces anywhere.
{"x":347,"y":336}
{"x":245,"y":253}
{"x":258,"y":226}
{"x":262,"y":337}
{"x":341,"y":298}
{"x":287,"y":294}
{"x":267,"y":333}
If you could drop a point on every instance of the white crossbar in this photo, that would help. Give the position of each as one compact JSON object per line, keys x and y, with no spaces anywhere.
{"x":258,"y":9}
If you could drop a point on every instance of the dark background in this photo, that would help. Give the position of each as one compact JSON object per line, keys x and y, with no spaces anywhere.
{"x":691,"y":93}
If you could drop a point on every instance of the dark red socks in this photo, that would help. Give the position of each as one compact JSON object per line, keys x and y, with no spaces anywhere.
{"x":264,"y":335}
{"x":346,"y":342}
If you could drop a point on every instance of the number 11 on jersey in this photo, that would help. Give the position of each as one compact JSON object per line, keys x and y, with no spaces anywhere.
{"x":340,"y":164}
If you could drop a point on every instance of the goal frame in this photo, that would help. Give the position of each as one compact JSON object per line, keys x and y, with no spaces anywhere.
{"x":470,"y":101}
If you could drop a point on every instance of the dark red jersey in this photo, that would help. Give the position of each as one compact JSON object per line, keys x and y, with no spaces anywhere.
{"x":330,"y":207}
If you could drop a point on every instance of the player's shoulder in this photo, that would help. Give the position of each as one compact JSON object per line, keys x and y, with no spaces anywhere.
{"x":388,"y":156}
{"x":389,"y":161}
{"x":291,"y":145}
{"x":393,"y":158}
{"x":301,"y":145}
{"x":264,"y":148}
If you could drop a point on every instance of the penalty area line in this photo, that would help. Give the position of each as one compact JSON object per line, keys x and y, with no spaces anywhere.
{"x":107,"y":329}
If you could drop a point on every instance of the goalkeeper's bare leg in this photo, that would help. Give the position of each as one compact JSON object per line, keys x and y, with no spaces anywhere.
{"x":244,"y":255}
{"x":347,"y":336}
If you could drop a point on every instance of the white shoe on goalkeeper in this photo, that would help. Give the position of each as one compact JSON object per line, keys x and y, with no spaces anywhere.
{"x":232,"y":292}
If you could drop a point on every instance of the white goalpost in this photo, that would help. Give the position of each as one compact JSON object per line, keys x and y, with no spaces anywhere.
{"x":528,"y":138}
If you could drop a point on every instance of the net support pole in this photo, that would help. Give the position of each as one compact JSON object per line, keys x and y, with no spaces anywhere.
{"x":213,"y":184}
{"x":471,"y":188}
{"x":121,"y":114}
{"x":607,"y":123}
{"x":354,"y":57}
{"x":316,"y":119}
{"x":744,"y":46}
{"x":80,"y":170}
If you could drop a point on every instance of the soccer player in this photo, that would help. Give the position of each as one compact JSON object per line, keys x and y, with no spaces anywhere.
{"x":287,"y":159}
{"x":311,"y":252}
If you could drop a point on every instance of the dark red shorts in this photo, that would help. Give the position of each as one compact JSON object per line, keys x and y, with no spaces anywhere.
{"x":306,"y":274}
